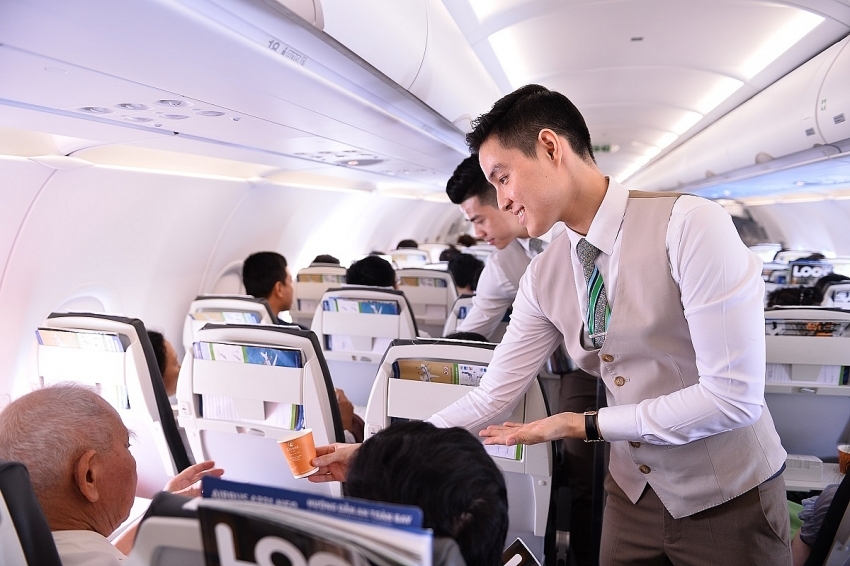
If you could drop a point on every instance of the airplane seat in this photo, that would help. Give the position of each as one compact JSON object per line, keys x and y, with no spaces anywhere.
{"x":230,"y":309}
{"x":409,"y":257}
{"x":355,"y":325}
{"x":434,"y":250}
{"x":114,"y":355}
{"x":461,"y":308}
{"x":310,"y":284}
{"x":832,"y":545}
{"x":431,"y":294}
{"x":837,"y":295}
{"x":418,"y":378}
{"x":25,"y":536}
{"x":169,"y":534}
{"x":242,"y":387}
{"x":806,"y":374}
{"x":481,"y":251}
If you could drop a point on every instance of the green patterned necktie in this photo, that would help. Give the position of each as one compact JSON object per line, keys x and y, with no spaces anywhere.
{"x":598,"y":312}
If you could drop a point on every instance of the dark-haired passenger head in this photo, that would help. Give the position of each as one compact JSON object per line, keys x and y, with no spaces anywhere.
{"x":469,"y":336}
{"x":326,"y":258}
{"x":468,"y":181}
{"x":449,"y":253}
{"x":517,"y":118}
{"x":407,"y":244}
{"x":166,"y":361}
{"x":466,"y":240}
{"x":794,"y":296}
{"x":266,"y":276}
{"x":373,"y":271}
{"x":445,"y":472}
{"x":465,"y":269}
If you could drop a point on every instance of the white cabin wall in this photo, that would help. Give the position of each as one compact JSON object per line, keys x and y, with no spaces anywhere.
{"x":143,"y":243}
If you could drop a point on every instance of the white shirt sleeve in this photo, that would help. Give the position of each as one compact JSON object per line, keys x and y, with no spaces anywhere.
{"x":722,"y":294}
{"x":493,"y":296}
{"x":528,"y":342}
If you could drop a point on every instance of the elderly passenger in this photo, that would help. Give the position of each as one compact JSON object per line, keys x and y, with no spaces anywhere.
{"x":77,"y":452}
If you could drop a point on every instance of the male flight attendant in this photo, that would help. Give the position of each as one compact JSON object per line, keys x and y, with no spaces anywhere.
{"x":499,"y":282}
{"x":672,"y":321}
{"x":656,"y":295}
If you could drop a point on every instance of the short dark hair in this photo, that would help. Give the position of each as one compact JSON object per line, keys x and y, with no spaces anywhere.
{"x":469,"y":181}
{"x":470,"y":336}
{"x":326,"y":258}
{"x":445,"y":472}
{"x":830,"y":279}
{"x":373,"y":271}
{"x":449,"y":253}
{"x":466,"y":269}
{"x":517,"y":118}
{"x":158,"y":343}
{"x":466,"y":240}
{"x":261,"y":271}
{"x":407,"y":244}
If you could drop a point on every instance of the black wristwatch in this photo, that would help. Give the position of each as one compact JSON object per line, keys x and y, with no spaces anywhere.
{"x":591,"y":427}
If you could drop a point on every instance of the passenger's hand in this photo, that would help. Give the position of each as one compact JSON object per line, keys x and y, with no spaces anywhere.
{"x":562,"y":425}
{"x":188,"y":482}
{"x":333,"y":461}
{"x":346,"y":410}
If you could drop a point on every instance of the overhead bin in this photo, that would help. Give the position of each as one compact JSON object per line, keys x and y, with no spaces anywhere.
{"x":416,"y":43}
{"x":800,"y":111}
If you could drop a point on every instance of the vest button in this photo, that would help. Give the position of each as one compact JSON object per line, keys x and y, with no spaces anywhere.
{"x":607,"y":358}
{"x":644,"y":469}
{"x":619,"y":381}
{"x":634,"y":444}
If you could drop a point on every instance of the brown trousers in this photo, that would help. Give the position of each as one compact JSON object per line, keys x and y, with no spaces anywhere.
{"x":750,"y":530}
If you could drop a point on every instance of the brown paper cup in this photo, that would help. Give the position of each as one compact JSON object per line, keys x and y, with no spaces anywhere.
{"x":843,"y":458}
{"x":299,"y":449}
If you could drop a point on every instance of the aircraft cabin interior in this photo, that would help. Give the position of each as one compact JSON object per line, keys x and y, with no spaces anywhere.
{"x":147,"y":147}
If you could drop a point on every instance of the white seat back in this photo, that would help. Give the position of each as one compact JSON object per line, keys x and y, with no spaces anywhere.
{"x":168,"y":541}
{"x":310,"y":284}
{"x":355,"y":325}
{"x":837,"y":295}
{"x":242,"y":387}
{"x":431,"y":294}
{"x":226,"y":309}
{"x":114,"y":355}
{"x":808,"y":352}
{"x":434,"y":250}
{"x":409,"y":257}
{"x":461,"y":308}
{"x":418,"y":378}
{"x":481,"y":251}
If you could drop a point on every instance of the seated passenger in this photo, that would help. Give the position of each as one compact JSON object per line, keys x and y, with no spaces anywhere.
{"x":407,"y":244}
{"x":266,"y":276}
{"x":445,"y":472}
{"x":465,"y":269}
{"x":77,"y":452}
{"x":372,"y":271}
{"x":326,"y":259}
{"x":812,"y":515}
{"x":166,"y":360}
{"x":794,"y":296}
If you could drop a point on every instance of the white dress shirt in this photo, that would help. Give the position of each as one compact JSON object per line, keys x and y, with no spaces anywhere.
{"x":719,"y":280}
{"x":495,"y":292}
{"x":86,"y":548}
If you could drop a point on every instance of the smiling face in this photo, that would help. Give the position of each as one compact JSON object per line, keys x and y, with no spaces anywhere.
{"x":496,"y":227}
{"x":525,"y":186}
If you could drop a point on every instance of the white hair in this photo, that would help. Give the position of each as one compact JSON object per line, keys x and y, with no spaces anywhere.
{"x":48,"y":429}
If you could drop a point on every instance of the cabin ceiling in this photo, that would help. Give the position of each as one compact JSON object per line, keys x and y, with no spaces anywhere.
{"x":200,"y":77}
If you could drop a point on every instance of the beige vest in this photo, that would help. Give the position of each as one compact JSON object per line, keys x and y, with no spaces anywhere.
{"x":648,"y":353}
